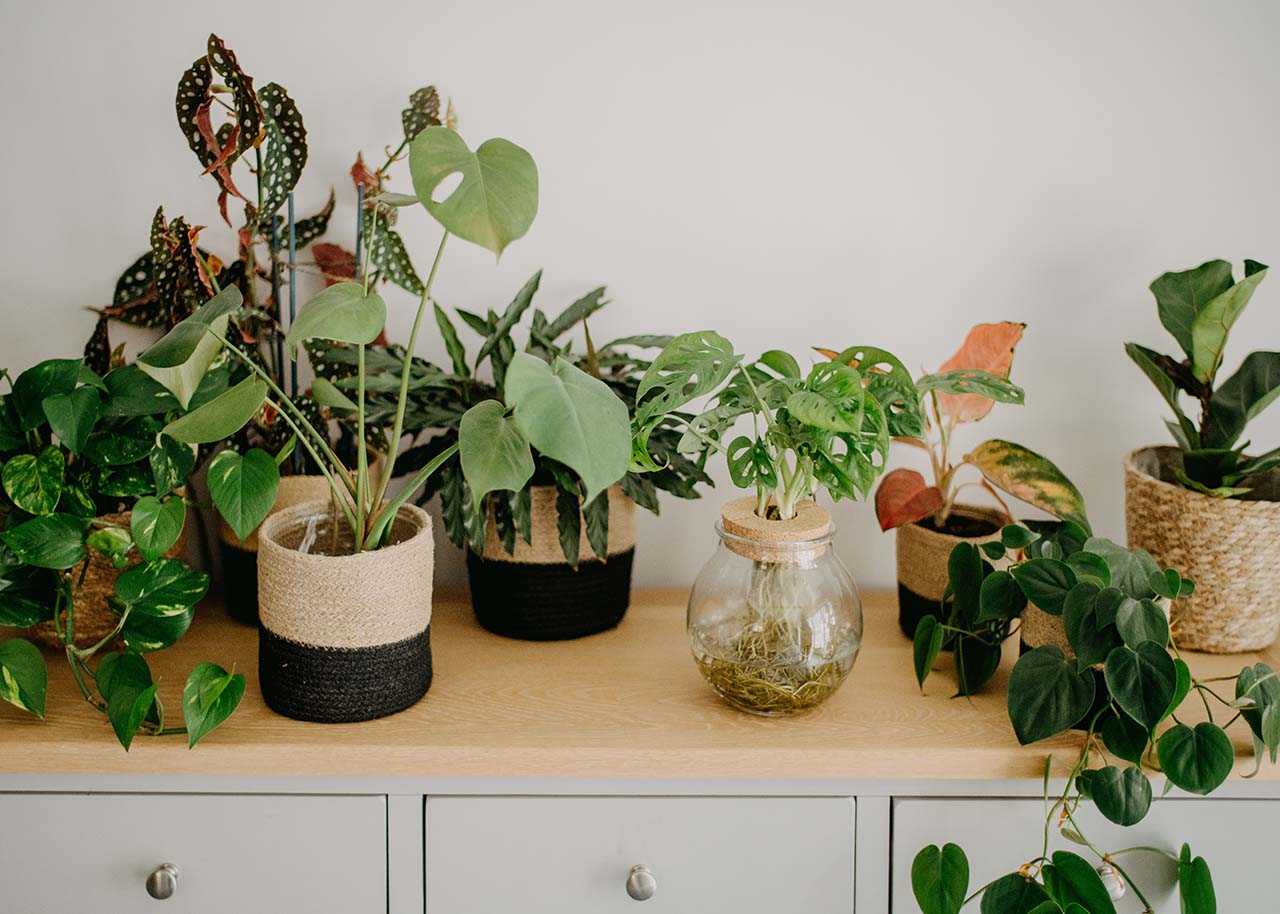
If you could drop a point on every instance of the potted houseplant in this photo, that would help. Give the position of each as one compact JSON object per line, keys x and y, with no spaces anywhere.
{"x":929,"y":520}
{"x":775,"y":621}
{"x":1119,"y":679}
{"x":544,"y":562}
{"x":1205,"y":505}
{"x":90,"y":557}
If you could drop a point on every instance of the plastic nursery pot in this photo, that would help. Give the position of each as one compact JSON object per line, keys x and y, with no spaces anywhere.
{"x":775,"y":620}
{"x":533,"y":594}
{"x":343,"y":637}
{"x":1229,"y":546}
{"x":240,"y":560}
{"x":94,"y":619}
{"x":923,"y":552}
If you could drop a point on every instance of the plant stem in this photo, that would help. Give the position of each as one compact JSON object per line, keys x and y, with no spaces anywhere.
{"x":362,"y":454}
{"x":333,"y":486}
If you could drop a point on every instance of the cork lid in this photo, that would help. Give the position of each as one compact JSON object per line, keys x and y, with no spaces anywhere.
{"x":800,"y":538}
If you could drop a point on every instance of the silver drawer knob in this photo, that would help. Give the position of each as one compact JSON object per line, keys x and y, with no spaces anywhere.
{"x":640,"y":883}
{"x":163,"y":882}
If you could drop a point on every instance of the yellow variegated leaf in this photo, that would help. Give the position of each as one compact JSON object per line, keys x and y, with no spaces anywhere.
{"x":1026,"y":475}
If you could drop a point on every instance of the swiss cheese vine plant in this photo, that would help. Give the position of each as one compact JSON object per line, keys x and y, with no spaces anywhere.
{"x":1126,"y":693}
{"x":76,"y":448}
{"x":1199,"y":307}
{"x":983,"y":363}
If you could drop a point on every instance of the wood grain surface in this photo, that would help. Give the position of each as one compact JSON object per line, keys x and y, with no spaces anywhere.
{"x":626,"y":703}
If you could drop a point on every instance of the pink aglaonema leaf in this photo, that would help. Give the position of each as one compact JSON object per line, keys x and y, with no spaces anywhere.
{"x":904,"y":498}
{"x":988,"y":347}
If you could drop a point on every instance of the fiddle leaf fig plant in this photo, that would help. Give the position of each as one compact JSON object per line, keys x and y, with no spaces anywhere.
{"x":965,"y":389}
{"x":1122,"y":688}
{"x":76,"y":450}
{"x":1199,"y":307}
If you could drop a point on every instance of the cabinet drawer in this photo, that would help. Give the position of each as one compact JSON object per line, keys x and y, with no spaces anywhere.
{"x":1234,"y":836}
{"x":61,"y":853}
{"x":560,"y":855}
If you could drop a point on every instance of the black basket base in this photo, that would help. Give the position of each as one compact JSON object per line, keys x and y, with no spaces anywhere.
{"x":240,"y":583}
{"x":912,"y":608}
{"x":550,"y":602}
{"x":342,"y":685}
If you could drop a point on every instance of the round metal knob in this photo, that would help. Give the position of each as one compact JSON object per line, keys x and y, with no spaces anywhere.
{"x":640,"y":883}
{"x":163,"y":882}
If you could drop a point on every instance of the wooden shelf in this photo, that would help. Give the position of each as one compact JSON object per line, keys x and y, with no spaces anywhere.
{"x":627,"y":703}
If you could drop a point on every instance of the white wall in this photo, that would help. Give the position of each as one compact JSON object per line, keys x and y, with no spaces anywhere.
{"x":790,"y":174}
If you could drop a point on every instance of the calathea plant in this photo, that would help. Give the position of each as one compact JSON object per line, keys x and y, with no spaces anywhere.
{"x":1123,"y":687}
{"x":1199,"y":307}
{"x":75,"y":449}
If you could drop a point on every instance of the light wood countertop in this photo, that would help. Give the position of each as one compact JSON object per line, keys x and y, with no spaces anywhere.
{"x":627,"y":703}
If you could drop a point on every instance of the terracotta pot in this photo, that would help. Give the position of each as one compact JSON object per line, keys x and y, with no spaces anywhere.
{"x":922,"y":563}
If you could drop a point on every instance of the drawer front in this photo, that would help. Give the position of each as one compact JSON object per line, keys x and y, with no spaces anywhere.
{"x":1234,"y":836}
{"x":61,"y":853}
{"x":560,"y":855}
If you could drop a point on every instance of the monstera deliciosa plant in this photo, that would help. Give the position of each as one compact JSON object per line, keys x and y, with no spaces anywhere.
{"x":1123,"y":689}
{"x":75,"y":447}
{"x":1199,"y":307}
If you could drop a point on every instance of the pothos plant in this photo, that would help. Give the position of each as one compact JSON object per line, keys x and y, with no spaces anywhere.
{"x":439,"y":401}
{"x":1199,"y":307}
{"x":76,"y":447}
{"x":985,"y":358}
{"x":1124,"y":691}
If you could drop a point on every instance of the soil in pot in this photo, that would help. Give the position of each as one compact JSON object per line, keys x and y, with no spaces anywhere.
{"x":923,"y":551}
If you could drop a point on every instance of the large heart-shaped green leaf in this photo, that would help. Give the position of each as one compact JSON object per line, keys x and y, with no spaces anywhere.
{"x":164,"y":587}
{"x":1142,"y":620}
{"x":493,"y":450}
{"x":1047,"y":694}
{"x":940,"y":879}
{"x":1070,"y":880}
{"x":125,"y":682}
{"x":496,"y":200}
{"x":34,"y":481}
{"x":1046,"y":583}
{"x":1013,"y":894}
{"x":133,"y":392}
{"x":342,"y":312}
{"x":1197,"y":760}
{"x":1122,"y":795}
{"x":1026,"y":475}
{"x":1131,"y":569}
{"x":571,"y":417}
{"x":72,"y":416}
{"x":222,"y":416}
{"x":1125,"y":737}
{"x":180,"y":359}
{"x":244,"y":488}
{"x":156,"y":525}
{"x":1090,"y":639}
{"x":208,"y":698}
{"x":1142,"y":681}
{"x":23,"y":677}
{"x":52,"y":541}
{"x":145,"y":633}
{"x":39,"y":382}
{"x":1212,"y":323}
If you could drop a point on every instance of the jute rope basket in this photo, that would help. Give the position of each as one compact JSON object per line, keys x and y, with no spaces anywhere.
{"x":922,"y":563}
{"x":1230,"y":547}
{"x":1038,"y":628}
{"x":94,"y":619}
{"x":344,"y":637}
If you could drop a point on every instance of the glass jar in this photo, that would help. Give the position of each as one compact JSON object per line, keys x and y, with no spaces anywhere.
{"x":775,"y":620}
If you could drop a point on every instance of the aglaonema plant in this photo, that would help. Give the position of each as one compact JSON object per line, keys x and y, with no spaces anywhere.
{"x":1199,"y":307}
{"x":982,"y":364}
{"x":1124,"y":693}
{"x":76,"y":448}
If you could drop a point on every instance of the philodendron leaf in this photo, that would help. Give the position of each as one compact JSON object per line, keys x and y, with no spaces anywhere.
{"x":244,"y":488}
{"x":125,"y":682}
{"x":1125,"y":737}
{"x":940,"y":879}
{"x":497,"y":198}
{"x":1142,"y":681}
{"x":1047,"y":694}
{"x":154,"y":633}
{"x":1122,"y":795}
{"x":72,"y":416}
{"x":494,"y":452}
{"x":1142,"y":620}
{"x":160,"y":588}
{"x":179,"y":361}
{"x":1131,"y":569}
{"x":1000,"y":597}
{"x":926,"y":646}
{"x":53,"y":541}
{"x":222,"y":416}
{"x":1070,"y":880}
{"x":23,"y":677}
{"x":342,"y":312}
{"x":1197,"y":760}
{"x":1259,"y":685}
{"x":1026,"y":475}
{"x":39,"y":382}
{"x":1046,"y":583}
{"x":33,"y":482}
{"x":208,"y":698}
{"x":1013,"y":894}
{"x":571,"y":417}
{"x":1090,"y":640}
{"x":156,"y":525}
{"x":1195,"y":884}
{"x":1212,"y":323}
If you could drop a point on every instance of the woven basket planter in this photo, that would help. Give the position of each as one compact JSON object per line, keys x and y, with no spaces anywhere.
{"x":922,"y":564}
{"x":343,"y":637}
{"x":1229,"y":546}
{"x":94,"y":619}
{"x":535,"y":595}
{"x":240,"y":560}
{"x":1038,"y":628}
